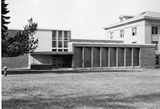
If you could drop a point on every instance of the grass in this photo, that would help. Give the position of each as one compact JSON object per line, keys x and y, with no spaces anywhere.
{"x":108,"y":90}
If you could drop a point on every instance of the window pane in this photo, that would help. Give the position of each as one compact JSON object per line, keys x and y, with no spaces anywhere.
{"x":134,"y":31}
{"x":65,"y":43}
{"x":59,"y":49}
{"x":59,"y":35}
{"x":53,"y":43}
{"x":59,"y":43}
{"x":65,"y":35}
{"x":53,"y":35}
{"x":121,"y":33}
{"x":53,"y":49}
{"x":111,"y":35}
{"x":154,"y":30}
{"x":65,"y":50}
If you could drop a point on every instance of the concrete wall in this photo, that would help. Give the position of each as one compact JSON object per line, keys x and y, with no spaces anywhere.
{"x":104,"y":53}
{"x":77,"y":58}
{"x":41,"y":59}
{"x":148,"y":29}
{"x":147,"y":57}
{"x":44,"y":40}
{"x":96,"y":57}
{"x":113,"y":55}
{"x":87,"y":57}
{"x":120,"y":56}
{"x":128,"y":38}
{"x":20,"y":62}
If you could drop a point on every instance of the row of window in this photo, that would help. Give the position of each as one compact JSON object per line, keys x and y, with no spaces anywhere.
{"x":122,"y":32}
{"x":59,"y":50}
{"x":60,"y":35}
{"x":60,"y":44}
{"x":154,"y":30}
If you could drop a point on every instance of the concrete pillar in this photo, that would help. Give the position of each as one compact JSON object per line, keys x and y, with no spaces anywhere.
{"x":132,"y":51}
{"x":100,"y":56}
{"x":109,"y":57}
{"x":117,"y":57}
{"x":91,"y":56}
{"x":139,"y":56}
{"x":124,"y":56}
{"x":83,"y":57}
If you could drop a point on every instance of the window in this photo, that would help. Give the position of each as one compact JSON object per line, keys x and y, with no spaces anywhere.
{"x":53,"y":35}
{"x":111,"y":35}
{"x":59,"y":35}
{"x":60,"y":44}
{"x":121,"y":33}
{"x":60,"y":50}
{"x":53,"y":43}
{"x":66,"y":35}
{"x":65,"y":50}
{"x":53,"y":49}
{"x":154,"y":29}
{"x":65,"y":44}
{"x":134,"y":31}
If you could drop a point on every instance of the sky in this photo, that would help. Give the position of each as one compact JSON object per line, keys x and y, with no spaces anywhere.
{"x":85,"y":18}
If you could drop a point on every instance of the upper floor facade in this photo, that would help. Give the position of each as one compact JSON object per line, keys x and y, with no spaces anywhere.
{"x":141,"y":29}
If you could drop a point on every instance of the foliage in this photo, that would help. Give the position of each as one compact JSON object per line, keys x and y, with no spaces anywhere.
{"x":24,"y":41}
{"x":4,"y":28}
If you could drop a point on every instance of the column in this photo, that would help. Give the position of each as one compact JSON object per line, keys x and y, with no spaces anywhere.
{"x":92,"y":57}
{"x":132,"y":57}
{"x":124,"y":56}
{"x":100,"y":56}
{"x":83,"y":57}
{"x":139,"y":56}
{"x":117,"y":57}
{"x":108,"y":57}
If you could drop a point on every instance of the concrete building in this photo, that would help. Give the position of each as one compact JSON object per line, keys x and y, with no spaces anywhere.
{"x":133,"y":42}
{"x":140,"y":29}
{"x":56,"y":49}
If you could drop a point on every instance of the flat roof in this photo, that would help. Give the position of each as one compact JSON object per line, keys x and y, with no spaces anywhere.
{"x":96,"y":41}
{"x":148,"y":15}
{"x":52,"y":53}
{"x":77,"y":44}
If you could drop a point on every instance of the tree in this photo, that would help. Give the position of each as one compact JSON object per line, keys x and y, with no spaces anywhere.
{"x":4,"y":27}
{"x":24,"y":41}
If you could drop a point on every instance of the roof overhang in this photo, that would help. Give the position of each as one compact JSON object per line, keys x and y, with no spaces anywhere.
{"x":52,"y":53}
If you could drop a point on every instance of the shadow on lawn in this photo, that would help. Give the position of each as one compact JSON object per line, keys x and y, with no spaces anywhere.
{"x":109,"y":101}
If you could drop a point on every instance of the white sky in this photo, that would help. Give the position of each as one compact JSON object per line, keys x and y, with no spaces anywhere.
{"x":85,"y":18}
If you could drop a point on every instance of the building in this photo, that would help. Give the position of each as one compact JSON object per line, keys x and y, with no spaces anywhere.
{"x":140,"y":29}
{"x":56,"y":49}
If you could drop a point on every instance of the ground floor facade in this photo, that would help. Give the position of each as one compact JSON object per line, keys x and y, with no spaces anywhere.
{"x":96,"y":55}
{"x":89,"y":55}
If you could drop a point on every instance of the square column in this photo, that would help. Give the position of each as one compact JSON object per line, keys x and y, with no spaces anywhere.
{"x":139,"y":56}
{"x":116,"y":57}
{"x":124,"y":56}
{"x":109,"y":57}
{"x":132,"y":56}
{"x":82,"y":57}
{"x":91,"y":56}
{"x":100,"y":56}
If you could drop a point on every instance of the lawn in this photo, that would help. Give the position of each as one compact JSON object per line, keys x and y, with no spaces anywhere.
{"x":98,"y":90}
